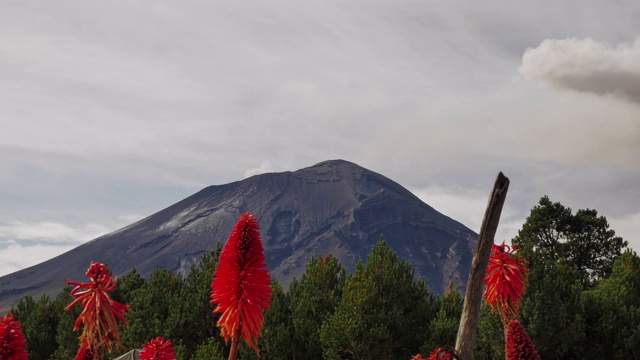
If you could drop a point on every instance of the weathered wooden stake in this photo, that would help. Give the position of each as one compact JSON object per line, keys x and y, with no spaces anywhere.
{"x":475,"y":285}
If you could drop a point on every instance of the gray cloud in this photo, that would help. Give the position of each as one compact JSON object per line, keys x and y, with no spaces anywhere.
{"x":586,"y":65}
{"x":102,"y":118}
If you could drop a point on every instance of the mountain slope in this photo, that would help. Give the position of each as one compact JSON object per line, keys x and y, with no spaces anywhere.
{"x":332,"y":207}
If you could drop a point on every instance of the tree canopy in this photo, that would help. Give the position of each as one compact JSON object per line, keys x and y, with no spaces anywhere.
{"x":582,"y":301}
{"x":583,"y":241}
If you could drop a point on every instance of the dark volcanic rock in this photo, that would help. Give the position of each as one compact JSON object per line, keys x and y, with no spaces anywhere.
{"x":333,"y":207}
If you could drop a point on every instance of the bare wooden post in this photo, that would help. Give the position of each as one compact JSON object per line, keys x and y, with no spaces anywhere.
{"x":475,"y":285}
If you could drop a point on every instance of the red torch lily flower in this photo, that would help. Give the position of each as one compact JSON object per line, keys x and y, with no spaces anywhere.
{"x":157,"y":349}
{"x":12,"y":344}
{"x":241,"y":285}
{"x":519,"y":345}
{"x":440,"y":354}
{"x":84,"y":353}
{"x":505,"y":280}
{"x":437,"y":354}
{"x":99,"y":311}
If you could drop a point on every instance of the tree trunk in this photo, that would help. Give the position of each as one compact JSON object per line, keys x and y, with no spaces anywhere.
{"x":475,"y":285}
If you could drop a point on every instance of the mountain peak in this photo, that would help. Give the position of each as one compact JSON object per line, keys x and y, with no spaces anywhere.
{"x":334,"y":207}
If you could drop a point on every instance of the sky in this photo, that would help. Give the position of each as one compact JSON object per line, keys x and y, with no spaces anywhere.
{"x":112,"y":111}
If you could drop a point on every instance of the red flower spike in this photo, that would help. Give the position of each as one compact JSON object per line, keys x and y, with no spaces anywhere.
{"x":241,"y":283}
{"x":157,"y":349}
{"x":12,"y":344}
{"x":417,"y":357}
{"x":84,"y":353}
{"x":519,"y":345}
{"x":99,"y":312}
{"x":439,"y":354}
{"x":505,"y":280}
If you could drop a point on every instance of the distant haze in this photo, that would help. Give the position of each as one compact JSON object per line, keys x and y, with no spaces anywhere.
{"x":111,"y":111}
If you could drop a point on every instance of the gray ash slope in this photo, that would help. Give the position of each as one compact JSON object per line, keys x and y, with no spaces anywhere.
{"x":332,"y":207}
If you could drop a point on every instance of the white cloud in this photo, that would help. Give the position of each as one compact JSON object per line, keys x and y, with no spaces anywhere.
{"x":264,"y":167}
{"x":23,"y":244}
{"x":51,"y":232}
{"x":586,"y":65}
{"x":16,"y":257}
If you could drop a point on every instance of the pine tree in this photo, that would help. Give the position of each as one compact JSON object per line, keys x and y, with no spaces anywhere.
{"x":210,"y":349}
{"x":383,"y":312}
{"x":276,"y":341}
{"x":150,"y":308}
{"x":313,"y":301}
{"x":40,"y":321}
{"x":66,"y":338}
{"x":612,"y":312}
{"x":582,"y":241}
{"x":443,"y":329}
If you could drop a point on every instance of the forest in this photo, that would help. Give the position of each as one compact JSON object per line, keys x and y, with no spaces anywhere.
{"x":582,"y":301}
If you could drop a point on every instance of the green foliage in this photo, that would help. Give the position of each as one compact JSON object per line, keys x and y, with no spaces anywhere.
{"x":210,"y":349}
{"x":352,"y":332}
{"x":612,"y":312}
{"x":552,"y":234}
{"x":551,"y":311}
{"x":126,"y":285}
{"x":66,"y":338}
{"x":150,"y":307}
{"x":276,"y":340}
{"x":168,"y":305}
{"x":312,"y":302}
{"x":490,"y":336}
{"x":582,"y":301}
{"x":190,"y":319}
{"x":383,"y":313}
{"x":443,"y":329}
{"x":568,"y":255}
{"x":40,"y":321}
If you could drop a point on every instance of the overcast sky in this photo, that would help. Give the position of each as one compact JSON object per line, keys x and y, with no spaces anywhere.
{"x":113,"y":110}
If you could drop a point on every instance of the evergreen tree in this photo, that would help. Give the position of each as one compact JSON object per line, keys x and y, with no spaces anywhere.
{"x":551,"y":311}
{"x":612,"y":312}
{"x":276,"y":340}
{"x":66,"y":338}
{"x":383,"y":313}
{"x":353,"y":332}
{"x":126,"y":285}
{"x":39,"y":323}
{"x":567,"y":254}
{"x":552,"y":234}
{"x":490,"y":336}
{"x":209,"y":350}
{"x":443,"y":329}
{"x":312,"y":302}
{"x":150,"y":308}
{"x":190,"y":319}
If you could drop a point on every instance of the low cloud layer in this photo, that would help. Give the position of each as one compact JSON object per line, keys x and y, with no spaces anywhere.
{"x":26,"y":243}
{"x":586,"y":65}
{"x":14,"y":256}
{"x":50,"y":232}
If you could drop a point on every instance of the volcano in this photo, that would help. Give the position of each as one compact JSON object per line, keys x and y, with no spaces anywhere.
{"x":334,"y":207}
